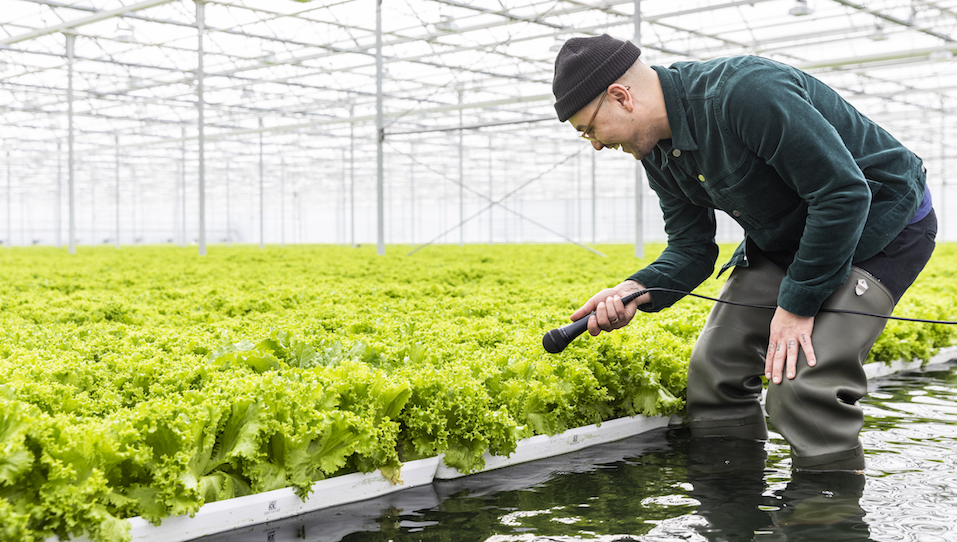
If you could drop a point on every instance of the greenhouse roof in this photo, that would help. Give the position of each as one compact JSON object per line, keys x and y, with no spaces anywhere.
{"x":312,"y":66}
{"x":306,"y":75}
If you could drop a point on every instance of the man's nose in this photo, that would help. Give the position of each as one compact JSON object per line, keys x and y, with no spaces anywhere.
{"x":597,"y":144}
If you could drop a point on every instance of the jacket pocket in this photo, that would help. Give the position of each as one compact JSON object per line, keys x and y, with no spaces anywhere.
{"x":757,"y":198}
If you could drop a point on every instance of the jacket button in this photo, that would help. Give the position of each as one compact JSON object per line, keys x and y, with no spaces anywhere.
{"x":701,"y":178}
{"x":676,"y":153}
{"x":736,"y":213}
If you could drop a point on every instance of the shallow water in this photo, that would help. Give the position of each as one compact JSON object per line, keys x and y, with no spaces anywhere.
{"x":661,"y":486}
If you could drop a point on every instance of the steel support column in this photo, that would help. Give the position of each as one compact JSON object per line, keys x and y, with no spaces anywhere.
{"x":282,"y":202}
{"x":942,"y":167}
{"x":491,"y":200}
{"x":182,"y":209}
{"x":116,"y":140}
{"x":9,"y":197}
{"x":594,"y":203}
{"x":59,"y":195}
{"x":201,"y":121}
{"x":380,"y":134}
{"x":411,"y":195}
{"x":639,"y":182}
{"x":352,"y":179}
{"x":262,"y":205}
{"x":229,"y":218}
{"x":461,"y":179}
{"x":70,"y":42}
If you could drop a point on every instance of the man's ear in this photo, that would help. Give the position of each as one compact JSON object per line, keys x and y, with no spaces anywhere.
{"x":622,"y":95}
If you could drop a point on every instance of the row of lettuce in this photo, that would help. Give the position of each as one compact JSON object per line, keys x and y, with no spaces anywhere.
{"x":149,"y":381}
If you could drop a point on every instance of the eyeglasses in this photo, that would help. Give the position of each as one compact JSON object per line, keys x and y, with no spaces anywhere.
{"x":591,"y":122}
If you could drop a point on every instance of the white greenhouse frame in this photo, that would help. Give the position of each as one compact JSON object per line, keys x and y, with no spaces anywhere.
{"x":393,"y":121}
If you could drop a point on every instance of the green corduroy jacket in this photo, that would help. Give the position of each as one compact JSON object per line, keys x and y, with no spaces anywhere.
{"x":790,"y":161}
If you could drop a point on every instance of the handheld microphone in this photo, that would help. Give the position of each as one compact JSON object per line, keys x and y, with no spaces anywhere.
{"x":557,"y":339}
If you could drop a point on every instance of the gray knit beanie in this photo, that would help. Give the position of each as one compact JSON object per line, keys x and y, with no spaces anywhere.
{"x":585,"y":67}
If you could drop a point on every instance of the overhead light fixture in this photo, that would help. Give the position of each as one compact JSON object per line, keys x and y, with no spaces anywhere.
{"x":4,"y":66}
{"x":269,"y":58}
{"x":800,"y":8}
{"x":124,"y":33}
{"x":248,"y":94}
{"x":879,"y":34}
{"x":135,"y":82}
{"x":447,"y":24}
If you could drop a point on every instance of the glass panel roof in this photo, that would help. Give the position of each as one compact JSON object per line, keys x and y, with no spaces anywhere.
{"x":296,"y":81}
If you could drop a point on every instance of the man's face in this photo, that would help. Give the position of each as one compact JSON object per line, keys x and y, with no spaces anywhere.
{"x":611,"y":122}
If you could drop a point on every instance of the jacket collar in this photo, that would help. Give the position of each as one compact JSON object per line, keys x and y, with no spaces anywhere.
{"x":681,"y":137}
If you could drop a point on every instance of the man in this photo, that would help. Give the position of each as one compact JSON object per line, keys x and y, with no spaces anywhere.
{"x":835,"y":215}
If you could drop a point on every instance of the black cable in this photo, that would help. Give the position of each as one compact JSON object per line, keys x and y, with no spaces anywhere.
{"x":557,"y":339}
{"x":756,"y":306}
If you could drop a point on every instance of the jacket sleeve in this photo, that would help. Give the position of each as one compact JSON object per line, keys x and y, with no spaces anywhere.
{"x":689,"y":257}
{"x":770,"y":111}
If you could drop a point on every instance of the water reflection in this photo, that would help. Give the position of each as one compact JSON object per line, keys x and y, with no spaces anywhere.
{"x":729,"y":481}
{"x":666,"y":486}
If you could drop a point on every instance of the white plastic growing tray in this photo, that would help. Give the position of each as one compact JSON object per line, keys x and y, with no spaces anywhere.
{"x":878,"y":369}
{"x":221,"y":516}
{"x":542,"y":446}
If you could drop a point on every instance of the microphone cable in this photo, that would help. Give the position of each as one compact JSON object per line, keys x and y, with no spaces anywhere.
{"x":757,"y":306}
{"x":557,"y":339}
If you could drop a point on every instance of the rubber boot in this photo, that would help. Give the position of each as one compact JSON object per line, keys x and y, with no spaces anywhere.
{"x":817,"y":411}
{"x":819,"y":506}
{"x":727,"y":362}
{"x":727,"y":480}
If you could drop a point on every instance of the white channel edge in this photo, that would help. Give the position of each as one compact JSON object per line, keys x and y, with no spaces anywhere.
{"x":543,"y":446}
{"x":230,"y":514}
{"x":223,"y":516}
{"x":878,"y":369}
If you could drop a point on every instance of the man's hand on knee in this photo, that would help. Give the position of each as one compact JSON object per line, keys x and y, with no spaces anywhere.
{"x":789,"y":332}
